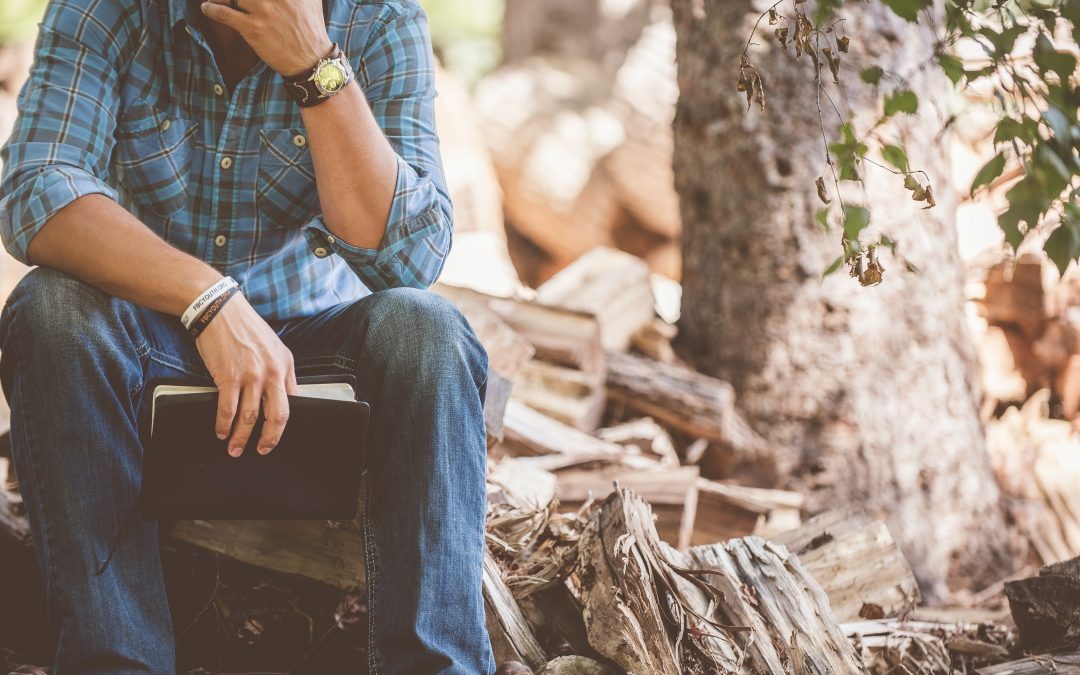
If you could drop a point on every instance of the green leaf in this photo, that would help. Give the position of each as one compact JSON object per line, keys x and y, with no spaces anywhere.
{"x":907,"y":9}
{"x":1050,"y":169}
{"x":1024,"y":129}
{"x":952,"y":67}
{"x":825,"y":10}
{"x":1004,"y":40}
{"x":833,"y":266}
{"x":901,"y":101}
{"x":1063,"y":246}
{"x":871,"y":75}
{"x":896,"y":156}
{"x":856,"y":218}
{"x":988,"y":173}
{"x":1049,"y":59}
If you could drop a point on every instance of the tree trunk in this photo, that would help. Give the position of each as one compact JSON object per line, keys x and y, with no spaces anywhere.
{"x":867,"y":396}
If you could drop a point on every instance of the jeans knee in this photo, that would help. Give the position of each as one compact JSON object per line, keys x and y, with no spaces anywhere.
{"x":55,"y":313}
{"x":420,"y":329}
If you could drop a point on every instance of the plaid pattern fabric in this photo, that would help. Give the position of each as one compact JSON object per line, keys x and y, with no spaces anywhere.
{"x":124,"y":99}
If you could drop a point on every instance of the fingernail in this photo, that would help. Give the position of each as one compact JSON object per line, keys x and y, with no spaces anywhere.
{"x":264,"y":451}
{"x":221,"y":436}
{"x":235,"y":452}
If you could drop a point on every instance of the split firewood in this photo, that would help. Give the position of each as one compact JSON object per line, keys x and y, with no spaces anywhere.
{"x":555,"y":616}
{"x":576,"y":665}
{"x":611,"y":285}
{"x":511,"y":636}
{"x":645,"y":95}
{"x":548,"y":153}
{"x":560,"y":336}
{"x":646,"y":435}
{"x":1066,"y":662}
{"x":726,"y":511}
{"x":637,"y":607}
{"x":1046,"y":607}
{"x":765,"y":588}
{"x":13,"y":522}
{"x":682,"y":399}
{"x":308,"y":548}
{"x":857,"y":562}
{"x":891,"y":645}
{"x":670,"y":492}
{"x":530,"y":432}
{"x":572,"y":396}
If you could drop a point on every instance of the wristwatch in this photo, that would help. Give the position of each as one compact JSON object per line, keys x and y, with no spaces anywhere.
{"x":326,"y":79}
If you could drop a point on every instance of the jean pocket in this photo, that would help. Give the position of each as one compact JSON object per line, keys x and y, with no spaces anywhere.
{"x":154,"y":150}
{"x":285,"y":191}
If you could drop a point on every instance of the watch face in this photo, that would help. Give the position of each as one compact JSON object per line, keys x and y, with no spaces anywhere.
{"x":330,"y":77}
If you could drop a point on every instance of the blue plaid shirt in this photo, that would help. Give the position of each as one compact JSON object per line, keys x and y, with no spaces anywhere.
{"x":124,"y":99}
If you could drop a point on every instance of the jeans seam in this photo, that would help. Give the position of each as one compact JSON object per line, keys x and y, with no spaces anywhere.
{"x":32,"y":461}
{"x":371,"y":576}
{"x":173,"y":362}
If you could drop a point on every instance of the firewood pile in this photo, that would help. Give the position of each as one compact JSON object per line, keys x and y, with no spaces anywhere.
{"x":1029,"y":346}
{"x":610,"y":551}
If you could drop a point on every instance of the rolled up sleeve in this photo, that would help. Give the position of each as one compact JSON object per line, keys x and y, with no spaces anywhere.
{"x":400,"y":70}
{"x":60,"y":146}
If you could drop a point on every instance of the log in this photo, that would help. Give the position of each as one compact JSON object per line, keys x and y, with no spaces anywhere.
{"x":1066,"y":662}
{"x":576,"y":665}
{"x":559,"y":336}
{"x":569,"y":395}
{"x":646,"y":436}
{"x":547,"y":154}
{"x":645,"y":94}
{"x":1046,"y":607}
{"x":637,"y":613}
{"x":13,"y":522}
{"x":529,"y":432}
{"x":312,"y":549}
{"x":726,"y":511}
{"x":671,"y":492}
{"x":765,"y":588}
{"x":856,"y":561}
{"x":682,"y":399}
{"x":555,"y":616}
{"x":612,"y":285}
{"x":511,"y":636}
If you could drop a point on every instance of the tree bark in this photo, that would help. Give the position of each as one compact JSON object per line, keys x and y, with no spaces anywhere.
{"x":869,"y":396}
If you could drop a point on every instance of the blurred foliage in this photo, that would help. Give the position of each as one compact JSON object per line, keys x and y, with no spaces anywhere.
{"x":466,"y":34}
{"x":19,"y":19}
{"x":1036,"y":99}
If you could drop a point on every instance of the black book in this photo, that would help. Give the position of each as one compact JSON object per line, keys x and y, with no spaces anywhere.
{"x":313,"y":473}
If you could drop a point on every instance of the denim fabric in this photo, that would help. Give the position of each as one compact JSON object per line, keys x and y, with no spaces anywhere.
{"x":74,"y":362}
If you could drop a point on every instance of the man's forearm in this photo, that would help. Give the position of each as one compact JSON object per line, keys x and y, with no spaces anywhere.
{"x":355,"y":167}
{"x":102,"y":243}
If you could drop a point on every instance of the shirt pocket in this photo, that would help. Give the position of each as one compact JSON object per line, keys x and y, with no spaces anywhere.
{"x":285,"y":192}
{"x":154,"y":152}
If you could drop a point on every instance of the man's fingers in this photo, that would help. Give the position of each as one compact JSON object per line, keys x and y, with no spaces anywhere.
{"x":226,"y":410}
{"x":277,"y":414}
{"x":224,"y":14}
{"x":246,"y":416}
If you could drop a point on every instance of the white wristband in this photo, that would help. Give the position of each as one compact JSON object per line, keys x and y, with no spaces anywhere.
{"x":205,"y":298}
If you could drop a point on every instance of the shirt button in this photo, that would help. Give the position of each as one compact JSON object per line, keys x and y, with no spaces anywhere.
{"x":330,"y":238}
{"x":321,"y":252}
{"x":299,"y":140}
{"x":165,"y":125}
{"x":219,"y":240}
{"x":219,"y":90}
{"x":226,"y":162}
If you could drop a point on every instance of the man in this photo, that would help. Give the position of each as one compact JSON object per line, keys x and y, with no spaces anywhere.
{"x":168,"y":147}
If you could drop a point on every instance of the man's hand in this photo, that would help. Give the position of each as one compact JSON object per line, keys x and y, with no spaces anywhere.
{"x":249,"y":364}
{"x":289,"y":35}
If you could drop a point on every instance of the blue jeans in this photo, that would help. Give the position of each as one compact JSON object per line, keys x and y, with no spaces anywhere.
{"x":73,"y":364}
